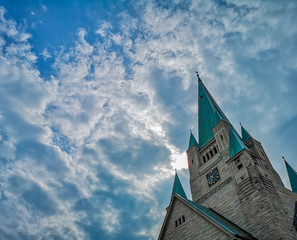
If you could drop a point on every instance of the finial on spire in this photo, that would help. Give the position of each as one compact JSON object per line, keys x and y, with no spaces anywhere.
{"x":175,"y":171}
{"x":197,"y":73}
{"x":190,"y":130}
{"x":284,"y":158}
{"x":240,"y":124}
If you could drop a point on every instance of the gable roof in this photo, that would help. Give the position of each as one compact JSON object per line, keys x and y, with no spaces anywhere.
{"x":220,"y":222}
{"x":209,"y":214}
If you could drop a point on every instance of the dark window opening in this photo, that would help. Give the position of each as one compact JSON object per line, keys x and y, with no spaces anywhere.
{"x":184,"y":219}
{"x":242,"y":177}
{"x":207,"y":156}
{"x":240,"y":166}
{"x":238,"y":161}
{"x":215,"y":150}
{"x":221,"y":137}
{"x":176,"y":223}
{"x":204,"y":160}
{"x":179,"y":220}
{"x":211,"y":153}
{"x":192,"y":161}
{"x":201,"y":96}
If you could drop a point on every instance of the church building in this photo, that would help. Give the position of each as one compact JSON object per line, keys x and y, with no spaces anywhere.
{"x":236,"y":193}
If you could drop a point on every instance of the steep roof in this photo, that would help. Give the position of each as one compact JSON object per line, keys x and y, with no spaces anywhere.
{"x":209,"y":114}
{"x":224,"y":222}
{"x":212,"y":216}
{"x":192,"y":141}
{"x":245,"y":134}
{"x":292,"y":177}
{"x":235,"y":142}
{"x":178,"y":188}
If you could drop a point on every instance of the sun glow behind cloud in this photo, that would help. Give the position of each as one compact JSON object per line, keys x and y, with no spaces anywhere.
{"x":91,"y":131}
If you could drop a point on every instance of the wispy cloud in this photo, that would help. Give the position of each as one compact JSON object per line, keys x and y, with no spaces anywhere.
{"x":89,"y":153}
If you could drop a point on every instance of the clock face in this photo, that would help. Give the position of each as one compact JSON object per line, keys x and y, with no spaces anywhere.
{"x":213,"y":177}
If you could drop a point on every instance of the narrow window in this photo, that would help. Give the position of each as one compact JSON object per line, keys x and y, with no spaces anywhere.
{"x":211,"y":153}
{"x":221,"y":137}
{"x":204,"y":160}
{"x":207,"y":156}
{"x":176,"y":223}
{"x":184,"y":219}
{"x":215,"y":150}
{"x":179,"y":220}
{"x":192,"y":161}
{"x":239,"y":166}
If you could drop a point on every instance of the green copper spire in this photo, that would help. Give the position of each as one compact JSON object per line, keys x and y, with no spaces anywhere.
{"x":235,"y":143}
{"x":292,"y":176}
{"x":192,"y":141}
{"x":209,"y":114}
{"x":178,"y":188}
{"x":245,"y":134}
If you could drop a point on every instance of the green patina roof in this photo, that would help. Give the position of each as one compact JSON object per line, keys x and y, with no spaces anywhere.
{"x":235,"y":143}
{"x":224,"y":222}
{"x":192,"y":141}
{"x":292,"y":177}
{"x":209,"y":114}
{"x":245,"y":134}
{"x":178,"y":188}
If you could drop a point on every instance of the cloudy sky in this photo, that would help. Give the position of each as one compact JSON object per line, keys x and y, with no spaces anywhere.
{"x":97,"y":99}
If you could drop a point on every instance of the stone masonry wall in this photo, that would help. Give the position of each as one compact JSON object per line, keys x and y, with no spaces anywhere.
{"x":195,"y":227}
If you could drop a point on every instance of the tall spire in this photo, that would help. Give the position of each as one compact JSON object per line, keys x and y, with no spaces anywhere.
{"x":192,"y":140}
{"x":178,"y":188}
{"x":244,"y":133}
{"x":292,"y":176}
{"x":235,"y":143}
{"x":209,"y":114}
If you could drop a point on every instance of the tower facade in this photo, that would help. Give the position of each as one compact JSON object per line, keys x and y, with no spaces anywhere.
{"x":232,"y":176}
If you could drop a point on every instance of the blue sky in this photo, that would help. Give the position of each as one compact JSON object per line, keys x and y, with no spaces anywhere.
{"x":97,"y":99}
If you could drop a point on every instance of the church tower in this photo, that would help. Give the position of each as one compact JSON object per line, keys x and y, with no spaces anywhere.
{"x":232,"y":177}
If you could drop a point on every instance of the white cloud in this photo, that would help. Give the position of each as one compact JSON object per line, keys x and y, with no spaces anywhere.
{"x":46,"y":55}
{"x":97,"y":98}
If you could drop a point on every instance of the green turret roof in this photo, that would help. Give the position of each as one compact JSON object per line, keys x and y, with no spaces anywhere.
{"x":209,"y":114}
{"x":235,"y":143}
{"x":178,"y":188}
{"x":245,"y":134}
{"x":192,"y":141}
{"x":292,"y":177}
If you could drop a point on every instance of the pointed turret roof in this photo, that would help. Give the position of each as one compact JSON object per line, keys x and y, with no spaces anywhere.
{"x":292,"y":176}
{"x":245,"y":134}
{"x":235,"y":143}
{"x":192,"y":141}
{"x":209,"y":114}
{"x":178,"y":188}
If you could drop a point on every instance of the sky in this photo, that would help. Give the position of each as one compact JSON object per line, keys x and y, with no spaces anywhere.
{"x":97,"y":99}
